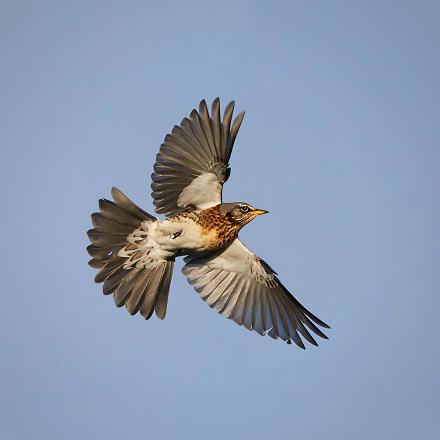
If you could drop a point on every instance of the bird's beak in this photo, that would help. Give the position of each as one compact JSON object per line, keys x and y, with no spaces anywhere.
{"x":260,"y":212}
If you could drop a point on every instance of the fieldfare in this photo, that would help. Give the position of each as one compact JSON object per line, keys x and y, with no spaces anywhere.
{"x":135,"y":252}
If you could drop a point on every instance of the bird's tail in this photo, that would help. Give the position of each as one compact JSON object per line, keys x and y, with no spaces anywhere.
{"x":116,"y":250}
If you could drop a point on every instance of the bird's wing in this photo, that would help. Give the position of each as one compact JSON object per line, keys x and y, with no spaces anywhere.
{"x":242,"y":287}
{"x":193,"y":161}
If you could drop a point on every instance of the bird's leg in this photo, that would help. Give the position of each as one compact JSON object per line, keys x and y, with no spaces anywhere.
{"x":176,"y":234}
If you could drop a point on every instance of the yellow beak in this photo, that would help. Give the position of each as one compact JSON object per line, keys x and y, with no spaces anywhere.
{"x":259,"y":212}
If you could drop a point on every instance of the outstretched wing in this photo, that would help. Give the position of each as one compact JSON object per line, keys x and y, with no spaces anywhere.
{"x":242,"y":287}
{"x":193,"y":161}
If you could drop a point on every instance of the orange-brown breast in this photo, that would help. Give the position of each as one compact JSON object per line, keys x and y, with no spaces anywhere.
{"x":227,"y":230}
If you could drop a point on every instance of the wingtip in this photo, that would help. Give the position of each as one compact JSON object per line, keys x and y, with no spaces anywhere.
{"x":240,"y":116}
{"x":302,"y":345}
{"x":202,"y":106}
{"x":229,"y":109}
{"x":215,"y":108}
{"x":298,"y":344}
{"x":115,"y":192}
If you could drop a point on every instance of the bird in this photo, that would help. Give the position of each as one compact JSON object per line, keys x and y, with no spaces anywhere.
{"x":135,"y":252}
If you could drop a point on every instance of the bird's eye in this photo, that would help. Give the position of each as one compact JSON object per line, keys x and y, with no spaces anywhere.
{"x":244,"y":209}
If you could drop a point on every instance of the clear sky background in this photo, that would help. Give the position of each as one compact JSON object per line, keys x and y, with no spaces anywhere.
{"x":340,"y":142}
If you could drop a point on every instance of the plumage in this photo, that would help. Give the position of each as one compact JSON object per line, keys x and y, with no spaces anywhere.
{"x":124,"y":288}
{"x":105,"y":225}
{"x":200,"y":145}
{"x":160,"y":306}
{"x":134,"y":252}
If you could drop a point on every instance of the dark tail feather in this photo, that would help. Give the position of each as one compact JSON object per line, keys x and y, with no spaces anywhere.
{"x":160,"y":306}
{"x":141,"y":290}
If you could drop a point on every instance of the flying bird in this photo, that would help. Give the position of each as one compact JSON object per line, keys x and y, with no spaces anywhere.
{"x":135,"y":252}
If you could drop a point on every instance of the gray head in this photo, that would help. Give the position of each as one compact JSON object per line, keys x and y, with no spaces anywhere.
{"x":240,"y":212}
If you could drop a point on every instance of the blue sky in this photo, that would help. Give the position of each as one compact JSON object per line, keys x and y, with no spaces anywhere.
{"x":340,"y":143}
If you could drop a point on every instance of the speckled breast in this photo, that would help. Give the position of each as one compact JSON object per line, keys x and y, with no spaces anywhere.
{"x":217,"y":228}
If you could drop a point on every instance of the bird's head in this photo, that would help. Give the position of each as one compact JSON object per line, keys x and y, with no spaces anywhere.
{"x":240,"y":213}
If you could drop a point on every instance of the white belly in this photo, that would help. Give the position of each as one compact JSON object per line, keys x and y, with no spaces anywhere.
{"x":155,"y":242}
{"x":184,"y":235}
